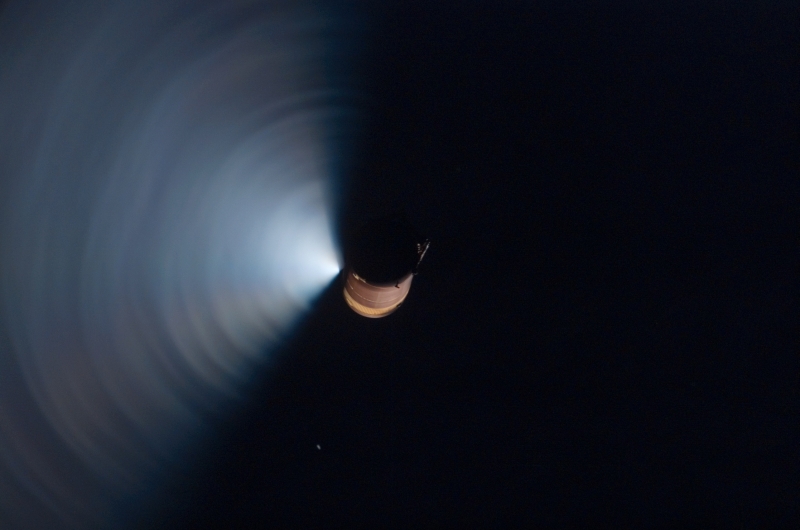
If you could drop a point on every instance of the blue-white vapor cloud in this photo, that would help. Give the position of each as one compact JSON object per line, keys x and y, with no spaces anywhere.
{"x":167,"y":213}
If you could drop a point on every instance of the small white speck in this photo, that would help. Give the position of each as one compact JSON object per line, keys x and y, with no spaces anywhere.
{"x":318,"y":447}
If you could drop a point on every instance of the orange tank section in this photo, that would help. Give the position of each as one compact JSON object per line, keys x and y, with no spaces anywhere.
{"x":375,"y":301}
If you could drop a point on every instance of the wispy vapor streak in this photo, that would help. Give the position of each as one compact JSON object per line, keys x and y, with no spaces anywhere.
{"x":167,"y":213}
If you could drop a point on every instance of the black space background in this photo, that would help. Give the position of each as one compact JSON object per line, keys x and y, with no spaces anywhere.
{"x":605,"y":329}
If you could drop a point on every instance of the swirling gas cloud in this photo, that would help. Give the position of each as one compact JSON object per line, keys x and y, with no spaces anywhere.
{"x":167,"y":214}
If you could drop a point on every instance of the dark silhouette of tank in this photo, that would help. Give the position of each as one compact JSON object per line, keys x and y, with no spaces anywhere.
{"x":380,"y":264}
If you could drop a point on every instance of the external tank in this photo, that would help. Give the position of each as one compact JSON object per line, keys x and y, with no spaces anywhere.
{"x":380,"y":266}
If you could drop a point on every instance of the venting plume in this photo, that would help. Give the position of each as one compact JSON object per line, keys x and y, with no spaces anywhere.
{"x":167,"y":215}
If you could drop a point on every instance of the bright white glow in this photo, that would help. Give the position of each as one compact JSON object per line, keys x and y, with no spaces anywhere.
{"x":167,"y":170}
{"x":300,"y":236}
